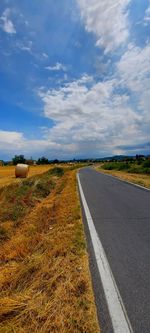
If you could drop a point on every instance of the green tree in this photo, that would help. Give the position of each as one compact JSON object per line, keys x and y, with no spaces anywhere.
{"x":55,"y":161}
{"x":18,"y":159}
{"x":43,"y":160}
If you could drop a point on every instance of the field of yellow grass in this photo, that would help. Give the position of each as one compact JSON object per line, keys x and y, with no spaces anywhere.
{"x":7,"y":173}
{"x":44,"y":275}
{"x":140,"y":179}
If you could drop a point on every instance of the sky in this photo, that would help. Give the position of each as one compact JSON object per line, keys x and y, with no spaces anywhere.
{"x":74,"y":78}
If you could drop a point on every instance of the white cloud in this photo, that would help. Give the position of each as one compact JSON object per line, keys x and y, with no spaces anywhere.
{"x":15,"y":141}
{"x":12,"y":143}
{"x":147,"y":16}
{"x":6,"y":24}
{"x":108,"y":20}
{"x":134,"y":65}
{"x":91,"y":116}
{"x":57,"y":67}
{"x":96,"y":117}
{"x":10,"y":137}
{"x":90,"y":119}
{"x":134,"y":71}
{"x":26,"y":23}
{"x":25,"y":46}
{"x":45,"y":55}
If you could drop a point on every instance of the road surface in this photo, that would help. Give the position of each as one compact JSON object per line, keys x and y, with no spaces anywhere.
{"x":121,"y":216}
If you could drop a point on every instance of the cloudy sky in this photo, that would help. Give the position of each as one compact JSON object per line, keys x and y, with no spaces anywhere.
{"x":74,"y":78}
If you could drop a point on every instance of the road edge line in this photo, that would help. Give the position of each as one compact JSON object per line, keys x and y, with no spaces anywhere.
{"x":118,"y":314}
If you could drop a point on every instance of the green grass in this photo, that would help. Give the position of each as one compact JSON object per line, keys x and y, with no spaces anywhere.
{"x":57,"y":171}
{"x":18,"y":199}
{"x":131,"y":167}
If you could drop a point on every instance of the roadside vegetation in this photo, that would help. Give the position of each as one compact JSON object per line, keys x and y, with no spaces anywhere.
{"x":142,"y":167}
{"x":136,"y":171}
{"x":44,"y":273}
{"x":17,"y":200}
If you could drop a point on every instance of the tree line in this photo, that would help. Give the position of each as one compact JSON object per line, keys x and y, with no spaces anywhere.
{"x":42,"y":160}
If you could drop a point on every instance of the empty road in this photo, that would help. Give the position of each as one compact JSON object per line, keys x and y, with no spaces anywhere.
{"x":121,"y":216}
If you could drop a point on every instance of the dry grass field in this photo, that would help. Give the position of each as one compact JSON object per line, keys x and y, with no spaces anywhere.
{"x":44,"y":274}
{"x":7,"y":173}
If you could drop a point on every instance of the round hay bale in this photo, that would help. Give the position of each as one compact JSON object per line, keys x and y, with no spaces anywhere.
{"x":21,"y":170}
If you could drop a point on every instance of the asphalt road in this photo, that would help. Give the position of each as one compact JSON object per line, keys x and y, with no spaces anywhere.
{"x":121,"y":215}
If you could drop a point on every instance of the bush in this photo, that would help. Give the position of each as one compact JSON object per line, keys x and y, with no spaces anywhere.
{"x":109,"y":166}
{"x":43,"y":188}
{"x":146,"y":170}
{"x":123,"y":166}
{"x":116,"y":166}
{"x":135,"y":169}
{"x":142,"y":168}
{"x":146,"y":164}
{"x":57,"y":171}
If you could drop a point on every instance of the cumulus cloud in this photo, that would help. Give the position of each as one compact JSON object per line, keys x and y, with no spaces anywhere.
{"x":134,"y":71}
{"x":108,"y":20}
{"x":12,"y":143}
{"x":98,"y":116}
{"x":15,"y":142}
{"x":134,"y":66}
{"x":10,"y":137}
{"x":91,"y":116}
{"x":5,"y":22}
{"x":57,"y":67}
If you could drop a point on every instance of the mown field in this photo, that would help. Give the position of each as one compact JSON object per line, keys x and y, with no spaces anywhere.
{"x":7,"y":173}
{"x":135,"y":172}
{"x":44,"y":272}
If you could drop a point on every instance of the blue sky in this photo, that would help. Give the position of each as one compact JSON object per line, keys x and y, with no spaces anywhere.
{"x":74,"y":78}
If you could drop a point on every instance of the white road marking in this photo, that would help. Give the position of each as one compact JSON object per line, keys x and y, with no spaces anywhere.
{"x":119,"y":317}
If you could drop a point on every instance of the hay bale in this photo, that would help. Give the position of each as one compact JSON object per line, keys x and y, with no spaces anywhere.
{"x":21,"y":170}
